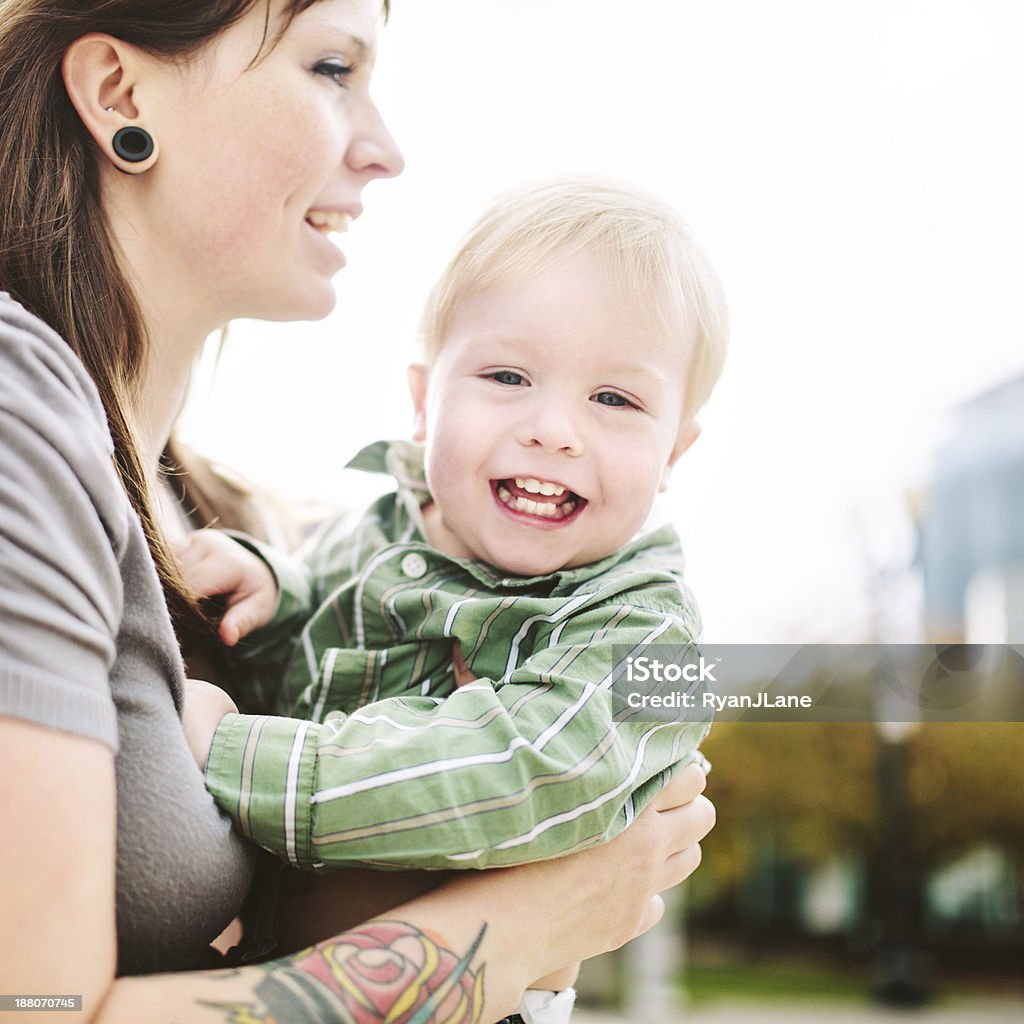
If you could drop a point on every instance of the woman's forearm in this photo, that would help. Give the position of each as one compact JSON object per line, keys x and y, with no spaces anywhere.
{"x":393,"y":965}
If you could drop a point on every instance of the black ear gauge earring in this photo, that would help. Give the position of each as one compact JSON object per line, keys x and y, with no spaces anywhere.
{"x":133,"y":144}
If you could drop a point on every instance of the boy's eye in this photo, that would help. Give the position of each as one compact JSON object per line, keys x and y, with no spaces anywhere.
{"x":611,"y":398}
{"x":335,"y":70}
{"x":507,"y":377}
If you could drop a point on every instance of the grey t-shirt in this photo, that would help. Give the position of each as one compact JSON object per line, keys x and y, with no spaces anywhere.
{"x":86,"y":646}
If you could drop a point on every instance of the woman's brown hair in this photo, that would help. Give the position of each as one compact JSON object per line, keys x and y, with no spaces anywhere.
{"x":56,"y":254}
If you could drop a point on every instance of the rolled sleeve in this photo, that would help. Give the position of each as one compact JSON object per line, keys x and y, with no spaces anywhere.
{"x":261,"y":770}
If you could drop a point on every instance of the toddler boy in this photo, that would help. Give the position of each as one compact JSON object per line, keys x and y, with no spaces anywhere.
{"x":569,"y":344}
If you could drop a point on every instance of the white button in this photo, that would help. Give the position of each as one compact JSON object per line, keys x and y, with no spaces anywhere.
{"x":414,"y":565}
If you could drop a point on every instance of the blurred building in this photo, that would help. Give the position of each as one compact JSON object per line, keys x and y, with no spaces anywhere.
{"x":911,"y":878}
{"x":972,"y":533}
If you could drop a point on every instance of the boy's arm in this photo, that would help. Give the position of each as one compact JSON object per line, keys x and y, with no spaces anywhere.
{"x":533,"y":766}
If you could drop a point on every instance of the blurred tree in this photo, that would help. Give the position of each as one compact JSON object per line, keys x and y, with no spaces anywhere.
{"x":813,"y":781}
{"x":966,"y":783}
{"x":810,"y":791}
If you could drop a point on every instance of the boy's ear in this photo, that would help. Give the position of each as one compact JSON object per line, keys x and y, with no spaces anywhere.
{"x":102,"y":76}
{"x":688,"y":433}
{"x":418,"y":375}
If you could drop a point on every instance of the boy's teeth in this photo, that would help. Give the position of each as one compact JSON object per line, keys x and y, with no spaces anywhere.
{"x":546,"y":509}
{"x":535,"y":508}
{"x":538,"y":486}
{"x":329,"y":220}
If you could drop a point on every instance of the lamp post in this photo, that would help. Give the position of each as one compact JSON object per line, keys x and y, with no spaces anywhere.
{"x":900,"y":969}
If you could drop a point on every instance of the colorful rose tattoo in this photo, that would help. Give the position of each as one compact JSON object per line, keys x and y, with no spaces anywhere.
{"x":386,"y":972}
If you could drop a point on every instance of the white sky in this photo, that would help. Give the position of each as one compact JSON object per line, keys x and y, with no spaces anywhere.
{"x":854,"y":170}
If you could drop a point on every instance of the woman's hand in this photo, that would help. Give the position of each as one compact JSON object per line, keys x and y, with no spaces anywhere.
{"x":205,"y":706}
{"x":558,"y":980}
{"x":544,"y":916}
{"x":536,"y":919}
{"x":618,"y":884}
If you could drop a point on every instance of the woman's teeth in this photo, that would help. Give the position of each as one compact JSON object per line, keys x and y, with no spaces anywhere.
{"x":538,"y":486}
{"x":547,"y":509}
{"x":327,"y":221}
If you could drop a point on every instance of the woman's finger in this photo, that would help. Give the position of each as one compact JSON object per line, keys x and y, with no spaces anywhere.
{"x":681,"y":865}
{"x":685,"y":787}
{"x":686,"y":827}
{"x":654,"y":912}
{"x":691,"y":822}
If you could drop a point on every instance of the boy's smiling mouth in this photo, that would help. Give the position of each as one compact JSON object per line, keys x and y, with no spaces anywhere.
{"x":540,"y":501}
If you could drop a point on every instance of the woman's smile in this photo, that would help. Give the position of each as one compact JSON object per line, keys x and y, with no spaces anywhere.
{"x":328,"y":251}
{"x":288,"y":144}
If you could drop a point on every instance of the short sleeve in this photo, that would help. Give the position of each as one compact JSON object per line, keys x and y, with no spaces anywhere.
{"x":62,"y":524}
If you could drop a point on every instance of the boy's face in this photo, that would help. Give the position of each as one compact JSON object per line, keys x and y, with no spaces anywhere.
{"x":551,"y":420}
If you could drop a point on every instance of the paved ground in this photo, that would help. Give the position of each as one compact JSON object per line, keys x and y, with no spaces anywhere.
{"x":984,"y":1013}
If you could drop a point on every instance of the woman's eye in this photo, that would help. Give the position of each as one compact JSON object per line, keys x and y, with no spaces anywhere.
{"x":507,"y":377}
{"x":612,"y":399}
{"x":334,"y":70}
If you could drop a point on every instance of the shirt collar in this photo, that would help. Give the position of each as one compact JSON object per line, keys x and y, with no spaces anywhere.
{"x":404,"y":460}
{"x":401,"y":459}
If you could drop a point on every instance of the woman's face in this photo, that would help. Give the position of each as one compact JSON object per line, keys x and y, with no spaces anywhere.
{"x":258,"y":162}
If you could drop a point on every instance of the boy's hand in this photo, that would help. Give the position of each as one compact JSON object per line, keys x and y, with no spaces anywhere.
{"x":212,"y":563}
{"x":205,"y":706}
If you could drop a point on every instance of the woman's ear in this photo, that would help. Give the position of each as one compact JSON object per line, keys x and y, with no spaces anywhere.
{"x":418,"y":375}
{"x":688,"y":433}
{"x":101,"y":76}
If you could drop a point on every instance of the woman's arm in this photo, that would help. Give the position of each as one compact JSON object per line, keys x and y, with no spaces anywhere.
{"x":57,"y":805}
{"x":487,"y":934}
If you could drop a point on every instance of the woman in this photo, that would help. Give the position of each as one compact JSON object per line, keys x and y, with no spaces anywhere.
{"x":168,"y":165}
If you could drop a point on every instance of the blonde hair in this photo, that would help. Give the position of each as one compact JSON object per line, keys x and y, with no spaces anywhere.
{"x":649,"y":248}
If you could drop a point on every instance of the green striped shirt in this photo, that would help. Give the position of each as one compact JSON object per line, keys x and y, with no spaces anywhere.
{"x":385,"y":761}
